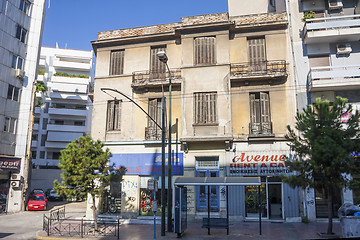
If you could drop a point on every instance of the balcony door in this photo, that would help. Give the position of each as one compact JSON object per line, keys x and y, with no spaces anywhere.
{"x":157,"y":68}
{"x":260,"y":121}
{"x":257,"y":55}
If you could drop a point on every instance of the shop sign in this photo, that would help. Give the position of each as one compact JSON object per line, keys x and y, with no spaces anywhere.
{"x":257,"y":164}
{"x":10,"y":164}
{"x":147,"y":163}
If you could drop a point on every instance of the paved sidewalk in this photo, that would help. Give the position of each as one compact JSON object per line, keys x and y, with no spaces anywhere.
{"x":239,"y":230}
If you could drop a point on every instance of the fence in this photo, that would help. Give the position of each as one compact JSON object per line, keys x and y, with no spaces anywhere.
{"x":57,"y":224}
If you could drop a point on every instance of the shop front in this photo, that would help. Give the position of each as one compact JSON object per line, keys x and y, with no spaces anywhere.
{"x":141,"y":169}
{"x":278,"y":200}
{"x":7,"y":166}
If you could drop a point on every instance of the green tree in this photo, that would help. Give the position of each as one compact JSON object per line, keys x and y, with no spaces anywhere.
{"x":324,"y":147}
{"x":85,"y":170}
{"x":40,"y":87}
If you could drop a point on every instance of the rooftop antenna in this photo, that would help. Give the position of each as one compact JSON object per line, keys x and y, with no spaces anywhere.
{"x":57,"y":45}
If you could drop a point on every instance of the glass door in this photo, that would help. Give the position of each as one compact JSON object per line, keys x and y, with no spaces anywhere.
{"x":252,"y":201}
{"x":203,"y":191}
{"x":275,"y":201}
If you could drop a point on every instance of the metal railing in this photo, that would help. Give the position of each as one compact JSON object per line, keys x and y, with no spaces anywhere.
{"x":57,"y":214}
{"x":256,"y":69}
{"x":260,"y":129}
{"x":141,"y":78}
{"x":152,"y":133}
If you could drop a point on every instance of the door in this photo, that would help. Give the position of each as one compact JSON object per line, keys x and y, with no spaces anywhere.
{"x":202,"y":192}
{"x":275,"y":201}
{"x":252,"y":201}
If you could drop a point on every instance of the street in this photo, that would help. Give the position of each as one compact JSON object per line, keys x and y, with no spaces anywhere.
{"x":25,"y":225}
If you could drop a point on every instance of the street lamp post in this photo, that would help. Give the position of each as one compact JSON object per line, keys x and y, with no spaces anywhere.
{"x":163,"y":58}
{"x":162,"y":151}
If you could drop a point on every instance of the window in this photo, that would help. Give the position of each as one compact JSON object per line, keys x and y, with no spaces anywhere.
{"x":17,"y":62}
{"x":117,"y":62}
{"x":260,"y":122}
{"x":56,"y":155}
{"x":36,"y":120}
{"x":59,"y":122}
{"x":33,"y":154}
{"x":79,"y":123}
{"x":42,"y":154}
{"x":204,"y":50}
{"x":24,"y":6}
{"x":34,"y":137}
{"x":205,"y":108}
{"x":157,"y":68}
{"x":153,"y":132}
{"x":43,"y":139}
{"x":113,"y":115}
{"x":13,"y":93}
{"x":21,"y":33}
{"x":257,"y":54}
{"x":10,"y":124}
{"x":44,"y":123}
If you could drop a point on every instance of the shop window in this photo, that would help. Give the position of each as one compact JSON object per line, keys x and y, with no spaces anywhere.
{"x":117,"y":62}
{"x":205,"y":108}
{"x":204,"y":50}
{"x":113,"y":115}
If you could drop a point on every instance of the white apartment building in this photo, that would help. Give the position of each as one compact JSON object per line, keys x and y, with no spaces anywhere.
{"x":21,"y":26}
{"x":63,"y":112}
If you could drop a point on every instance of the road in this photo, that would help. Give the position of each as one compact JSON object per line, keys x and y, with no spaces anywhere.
{"x":25,"y":225}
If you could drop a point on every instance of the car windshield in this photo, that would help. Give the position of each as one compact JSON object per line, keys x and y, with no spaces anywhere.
{"x":37,"y":198}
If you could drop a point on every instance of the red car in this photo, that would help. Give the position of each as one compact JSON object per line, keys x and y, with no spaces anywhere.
{"x":37,"y":202}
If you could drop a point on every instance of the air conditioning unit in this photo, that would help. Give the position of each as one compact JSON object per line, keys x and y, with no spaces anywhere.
{"x":343,"y":49}
{"x":335,"y":4}
{"x":20,"y":74}
{"x":16,"y":177}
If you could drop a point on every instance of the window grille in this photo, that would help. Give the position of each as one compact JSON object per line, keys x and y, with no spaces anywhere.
{"x":205,"y":108}
{"x":204,"y":49}
{"x":207,"y":162}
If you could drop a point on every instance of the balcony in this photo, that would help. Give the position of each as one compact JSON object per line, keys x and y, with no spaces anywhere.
{"x":63,"y":64}
{"x":143,"y":79}
{"x":63,"y":136}
{"x":68,"y":112}
{"x":70,"y":80}
{"x":260,"y":129}
{"x":66,"y":128}
{"x":334,"y":78}
{"x":152,"y":133}
{"x":69,"y":96}
{"x":332,"y":29}
{"x":36,"y":127}
{"x":34,"y":143}
{"x":259,"y":70}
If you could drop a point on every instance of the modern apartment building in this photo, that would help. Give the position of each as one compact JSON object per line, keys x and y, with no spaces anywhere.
{"x":63,"y":111}
{"x":21,"y":25}
{"x":232,"y":96}
{"x":326,"y":50}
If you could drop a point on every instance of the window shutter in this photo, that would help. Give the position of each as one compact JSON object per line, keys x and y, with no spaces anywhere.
{"x":157,"y":68}
{"x":117,"y":108}
{"x":257,"y":54}
{"x":110,"y":116}
{"x":117,"y":62}
{"x":265,"y":108}
{"x":153,"y":112}
{"x":204,"y":50}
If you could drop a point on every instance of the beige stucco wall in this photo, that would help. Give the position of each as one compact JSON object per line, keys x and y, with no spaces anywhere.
{"x":238,"y":50}
{"x":276,"y":47}
{"x":237,"y":7}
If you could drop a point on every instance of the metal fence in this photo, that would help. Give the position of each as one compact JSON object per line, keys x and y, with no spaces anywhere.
{"x":57,"y":224}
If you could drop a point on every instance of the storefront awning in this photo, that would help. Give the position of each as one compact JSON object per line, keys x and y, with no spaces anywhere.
{"x":217,"y":181}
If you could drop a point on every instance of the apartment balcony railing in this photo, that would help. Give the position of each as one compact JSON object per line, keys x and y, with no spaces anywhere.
{"x":334,"y":78}
{"x":259,"y":70}
{"x":260,"y":129}
{"x":153,"y":78}
{"x":152,"y":133}
{"x":332,"y":29}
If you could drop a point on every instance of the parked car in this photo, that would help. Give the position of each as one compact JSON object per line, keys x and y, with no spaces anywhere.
{"x":37,"y":191}
{"x":52,"y":195}
{"x":36,"y":202}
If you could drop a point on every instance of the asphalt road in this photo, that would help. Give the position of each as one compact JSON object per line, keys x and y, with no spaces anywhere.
{"x":25,"y":225}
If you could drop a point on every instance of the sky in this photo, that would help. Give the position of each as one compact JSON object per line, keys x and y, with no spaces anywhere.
{"x":75,"y":23}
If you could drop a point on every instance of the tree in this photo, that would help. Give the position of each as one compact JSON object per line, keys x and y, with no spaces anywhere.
{"x":85,"y":170}
{"x":324,"y":145}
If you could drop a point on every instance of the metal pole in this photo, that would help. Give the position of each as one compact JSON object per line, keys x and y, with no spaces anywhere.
{"x":163,"y":169}
{"x":169,"y":223}
{"x":260,"y":209}
{"x":154,"y":199}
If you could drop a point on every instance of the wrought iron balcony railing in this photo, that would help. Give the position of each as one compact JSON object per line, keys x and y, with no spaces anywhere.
{"x":264,"y":69}
{"x":152,"y":133}
{"x":155,"y":78}
{"x":260,"y":129}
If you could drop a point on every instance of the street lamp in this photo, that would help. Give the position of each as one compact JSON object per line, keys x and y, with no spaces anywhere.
{"x":162,"y":151}
{"x":163,"y":58}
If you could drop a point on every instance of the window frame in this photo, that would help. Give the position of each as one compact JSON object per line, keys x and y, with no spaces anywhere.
{"x":21,"y":33}
{"x":10,"y":125}
{"x":16,"y":61}
{"x":260,"y":113}
{"x":207,"y":102}
{"x":157,"y":68}
{"x":205,"y":50}
{"x":113,"y":118}
{"x":25,"y":6}
{"x":15,"y":93}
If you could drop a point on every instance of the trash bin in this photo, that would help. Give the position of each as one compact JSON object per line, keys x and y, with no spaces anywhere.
{"x":350,"y":226}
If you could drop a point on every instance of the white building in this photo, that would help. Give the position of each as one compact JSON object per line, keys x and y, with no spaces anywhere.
{"x":21,"y":26}
{"x":63,"y":112}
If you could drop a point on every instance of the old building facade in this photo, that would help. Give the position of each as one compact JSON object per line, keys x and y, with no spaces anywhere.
{"x":232,"y":96}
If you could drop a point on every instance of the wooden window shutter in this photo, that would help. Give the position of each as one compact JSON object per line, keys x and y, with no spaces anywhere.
{"x":204,"y":49}
{"x":117,"y":62}
{"x":157,"y":68}
{"x":110,"y":116}
{"x":205,"y":108}
{"x":117,"y":111}
{"x":265,"y":107}
{"x":257,"y":54}
{"x":152,"y":111}
{"x":252,"y":108}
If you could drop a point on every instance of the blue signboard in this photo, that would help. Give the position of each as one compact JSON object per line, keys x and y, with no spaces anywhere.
{"x":147,"y":163}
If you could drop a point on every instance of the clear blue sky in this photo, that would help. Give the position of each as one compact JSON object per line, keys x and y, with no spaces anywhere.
{"x":77,"y":22}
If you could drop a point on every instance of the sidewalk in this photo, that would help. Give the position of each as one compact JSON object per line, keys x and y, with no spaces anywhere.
{"x":239,"y":230}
